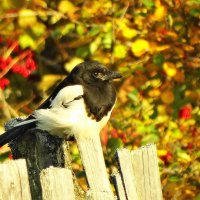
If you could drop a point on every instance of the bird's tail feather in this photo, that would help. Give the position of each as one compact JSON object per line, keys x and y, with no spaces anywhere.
{"x":14,"y":132}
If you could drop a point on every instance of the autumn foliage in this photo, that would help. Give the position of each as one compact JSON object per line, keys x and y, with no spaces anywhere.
{"x":155,"y":44}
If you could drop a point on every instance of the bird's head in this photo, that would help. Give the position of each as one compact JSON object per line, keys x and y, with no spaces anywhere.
{"x":93,"y":73}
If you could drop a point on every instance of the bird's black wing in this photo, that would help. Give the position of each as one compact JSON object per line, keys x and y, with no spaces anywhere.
{"x":46,"y":104}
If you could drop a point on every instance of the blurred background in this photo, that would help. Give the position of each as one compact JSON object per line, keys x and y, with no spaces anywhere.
{"x":155,"y":44}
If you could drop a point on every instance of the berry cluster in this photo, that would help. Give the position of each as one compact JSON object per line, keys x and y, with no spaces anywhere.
{"x":16,"y":61}
{"x":3,"y":83}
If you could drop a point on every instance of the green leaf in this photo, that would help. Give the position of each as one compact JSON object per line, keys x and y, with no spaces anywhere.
{"x":107,"y":40}
{"x":94,"y":30}
{"x":26,"y":40}
{"x":148,"y":3}
{"x":158,"y":59}
{"x":195,"y":12}
{"x":197,"y":197}
{"x":177,"y":134}
{"x":80,"y":29}
{"x":95,"y":45}
{"x":114,"y":144}
{"x":150,"y":138}
{"x":82,"y":52}
{"x":68,"y":28}
{"x":183,"y":156}
{"x":134,"y":96}
{"x":174,"y":178}
{"x":38,"y":29}
{"x":4,"y":156}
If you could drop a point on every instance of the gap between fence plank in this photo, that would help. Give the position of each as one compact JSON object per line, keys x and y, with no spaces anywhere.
{"x":117,"y":181}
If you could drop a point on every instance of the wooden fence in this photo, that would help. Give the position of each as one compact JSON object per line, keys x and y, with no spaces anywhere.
{"x":138,"y":177}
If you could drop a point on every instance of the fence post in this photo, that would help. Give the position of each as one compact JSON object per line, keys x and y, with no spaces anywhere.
{"x":142,"y":171}
{"x":14,"y":180}
{"x":145,"y":165}
{"x":127,"y":173}
{"x":57,"y":184}
{"x":94,"y":165}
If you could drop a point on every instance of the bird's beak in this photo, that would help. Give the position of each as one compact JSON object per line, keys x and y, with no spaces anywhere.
{"x":115,"y":75}
{"x":109,"y":76}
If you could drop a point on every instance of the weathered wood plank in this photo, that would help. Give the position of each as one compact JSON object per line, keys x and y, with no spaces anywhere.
{"x":57,"y":184}
{"x":145,"y":163}
{"x":94,"y":165}
{"x":117,"y":181}
{"x":127,"y":173}
{"x":140,"y":173}
{"x":14,"y":181}
{"x":96,"y":195}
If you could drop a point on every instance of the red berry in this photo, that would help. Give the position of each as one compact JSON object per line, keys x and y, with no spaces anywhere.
{"x":10,"y":156}
{"x":3,"y":83}
{"x":185,"y":112}
{"x":30,"y":64}
{"x":189,"y":146}
{"x":166,"y":158}
{"x":123,"y":137}
{"x":4,"y":62}
{"x":114,"y":133}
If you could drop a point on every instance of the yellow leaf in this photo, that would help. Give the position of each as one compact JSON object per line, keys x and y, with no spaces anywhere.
{"x":156,"y":83}
{"x":169,"y":68}
{"x":155,"y":48}
{"x":162,"y":152}
{"x":139,"y":47}
{"x":55,"y":18}
{"x":48,"y":81}
{"x":154,"y":93}
{"x":183,"y":157}
{"x":129,"y":33}
{"x":160,"y":13}
{"x":167,"y":97}
{"x":41,"y":3}
{"x":167,"y":137}
{"x":162,"y":48}
{"x":66,"y":7}
{"x":120,"y":51}
{"x":27,"y":18}
{"x":126,"y":31}
{"x":72,"y":63}
{"x":161,"y":109}
{"x":188,"y":47}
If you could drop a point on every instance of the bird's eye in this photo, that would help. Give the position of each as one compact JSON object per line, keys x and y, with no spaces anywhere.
{"x":97,"y":74}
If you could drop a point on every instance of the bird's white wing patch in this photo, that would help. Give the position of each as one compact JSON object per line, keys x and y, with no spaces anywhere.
{"x":59,"y":120}
{"x":67,"y":95}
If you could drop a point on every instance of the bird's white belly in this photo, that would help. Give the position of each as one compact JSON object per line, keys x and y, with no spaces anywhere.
{"x":72,"y":120}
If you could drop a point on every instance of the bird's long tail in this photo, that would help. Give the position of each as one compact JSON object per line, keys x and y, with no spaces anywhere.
{"x":14,"y":132}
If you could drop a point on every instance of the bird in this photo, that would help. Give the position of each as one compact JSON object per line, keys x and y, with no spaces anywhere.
{"x":80,"y":105}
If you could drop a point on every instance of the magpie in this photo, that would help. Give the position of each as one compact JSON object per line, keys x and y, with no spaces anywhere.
{"x":79,"y":106}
